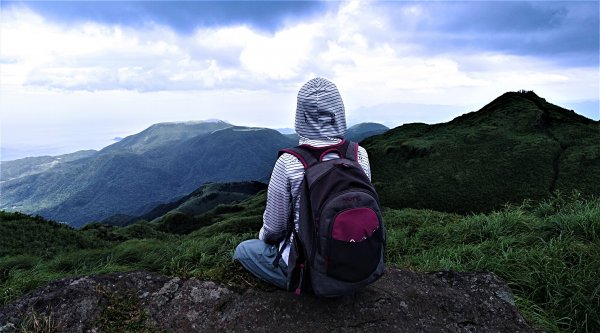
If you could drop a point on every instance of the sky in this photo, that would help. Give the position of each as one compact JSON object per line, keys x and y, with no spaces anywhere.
{"x":76,"y":74}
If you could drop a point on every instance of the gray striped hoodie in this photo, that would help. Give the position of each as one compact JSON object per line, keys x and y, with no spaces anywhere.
{"x":320,"y":122}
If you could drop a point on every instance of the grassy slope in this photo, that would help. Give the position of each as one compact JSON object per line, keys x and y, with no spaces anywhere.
{"x":517,"y":147}
{"x":547,"y":252}
{"x":208,"y":196}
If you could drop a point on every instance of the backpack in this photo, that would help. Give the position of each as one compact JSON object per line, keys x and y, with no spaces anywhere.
{"x":340,"y":242}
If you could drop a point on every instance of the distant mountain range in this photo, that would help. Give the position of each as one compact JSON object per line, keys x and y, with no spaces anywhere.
{"x":517,"y":147}
{"x":355,"y":133}
{"x":132,"y":176}
{"x":359,"y":132}
{"x":33,"y":165}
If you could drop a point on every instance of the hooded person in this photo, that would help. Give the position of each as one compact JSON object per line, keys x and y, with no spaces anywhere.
{"x":320,"y":122}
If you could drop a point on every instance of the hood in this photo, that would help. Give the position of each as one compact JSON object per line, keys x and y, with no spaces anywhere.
{"x":320,"y":111}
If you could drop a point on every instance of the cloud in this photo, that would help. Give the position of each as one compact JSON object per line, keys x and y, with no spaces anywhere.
{"x":181,"y":16}
{"x":567,"y":32}
{"x":379,"y":52}
{"x":76,"y":74}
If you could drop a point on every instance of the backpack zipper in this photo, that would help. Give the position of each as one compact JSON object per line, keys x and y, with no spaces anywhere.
{"x":317,"y":243}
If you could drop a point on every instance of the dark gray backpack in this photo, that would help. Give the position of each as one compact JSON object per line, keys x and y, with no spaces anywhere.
{"x":339,"y":246}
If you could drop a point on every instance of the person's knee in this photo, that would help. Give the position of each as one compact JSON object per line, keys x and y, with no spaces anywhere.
{"x":244,"y":249}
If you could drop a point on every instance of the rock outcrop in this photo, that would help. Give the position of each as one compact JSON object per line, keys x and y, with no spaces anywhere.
{"x":401,"y":301}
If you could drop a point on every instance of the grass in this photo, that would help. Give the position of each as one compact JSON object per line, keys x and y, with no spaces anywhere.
{"x":547,"y":252}
{"x":37,"y":323}
{"x":123,"y":313}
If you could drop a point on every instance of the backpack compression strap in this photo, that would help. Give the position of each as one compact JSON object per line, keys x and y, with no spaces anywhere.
{"x":309,"y":155}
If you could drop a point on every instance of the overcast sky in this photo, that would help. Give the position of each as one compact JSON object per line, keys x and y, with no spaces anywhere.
{"x":76,"y":74}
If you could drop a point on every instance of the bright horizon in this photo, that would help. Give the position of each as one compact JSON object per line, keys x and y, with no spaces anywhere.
{"x":76,"y":74}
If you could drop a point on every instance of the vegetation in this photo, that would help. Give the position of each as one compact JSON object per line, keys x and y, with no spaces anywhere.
{"x":546,"y":252}
{"x":21,"y":234}
{"x":123,"y":313}
{"x":447,"y":186}
{"x":515,"y":148}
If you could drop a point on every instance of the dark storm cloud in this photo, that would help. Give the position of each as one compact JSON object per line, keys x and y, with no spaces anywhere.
{"x":496,"y":16}
{"x":567,"y":32}
{"x":182,"y":16}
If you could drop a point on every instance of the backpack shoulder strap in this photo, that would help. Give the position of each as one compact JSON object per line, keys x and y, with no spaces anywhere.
{"x":309,"y":155}
{"x":306,"y":158}
{"x":351,"y":152}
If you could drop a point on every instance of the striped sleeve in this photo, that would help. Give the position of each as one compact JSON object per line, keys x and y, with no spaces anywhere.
{"x":363,"y":160}
{"x":279,"y":204}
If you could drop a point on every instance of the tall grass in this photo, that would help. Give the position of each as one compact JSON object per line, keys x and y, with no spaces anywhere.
{"x":205,"y":253}
{"x":548,"y":255}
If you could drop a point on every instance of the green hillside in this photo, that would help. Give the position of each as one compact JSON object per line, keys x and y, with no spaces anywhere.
{"x":22,"y":234}
{"x":180,"y":216}
{"x":130,"y":178}
{"x":546,"y":252}
{"x":517,"y":147}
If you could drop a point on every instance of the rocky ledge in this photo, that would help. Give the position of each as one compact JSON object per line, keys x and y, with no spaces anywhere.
{"x":401,"y":301}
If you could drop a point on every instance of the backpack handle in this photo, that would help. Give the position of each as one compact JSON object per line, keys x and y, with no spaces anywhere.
{"x":330,"y":150}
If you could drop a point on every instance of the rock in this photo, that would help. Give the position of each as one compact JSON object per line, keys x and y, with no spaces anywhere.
{"x":401,"y":301}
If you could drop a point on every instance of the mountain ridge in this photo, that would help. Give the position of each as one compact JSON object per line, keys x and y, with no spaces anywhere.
{"x":516,"y":147}
{"x":31,"y":165}
{"x":163,"y":133}
{"x":122,"y":177}
{"x":469,"y":160}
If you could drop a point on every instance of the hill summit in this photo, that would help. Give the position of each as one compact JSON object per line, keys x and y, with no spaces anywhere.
{"x":517,"y":147}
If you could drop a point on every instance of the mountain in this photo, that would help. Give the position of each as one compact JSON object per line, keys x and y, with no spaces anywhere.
{"x":200,"y":201}
{"x":361,"y":131}
{"x":286,"y":130}
{"x":165,"y":133}
{"x":517,"y":147}
{"x":355,"y":133}
{"x":33,"y":165}
{"x":130,"y":178}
